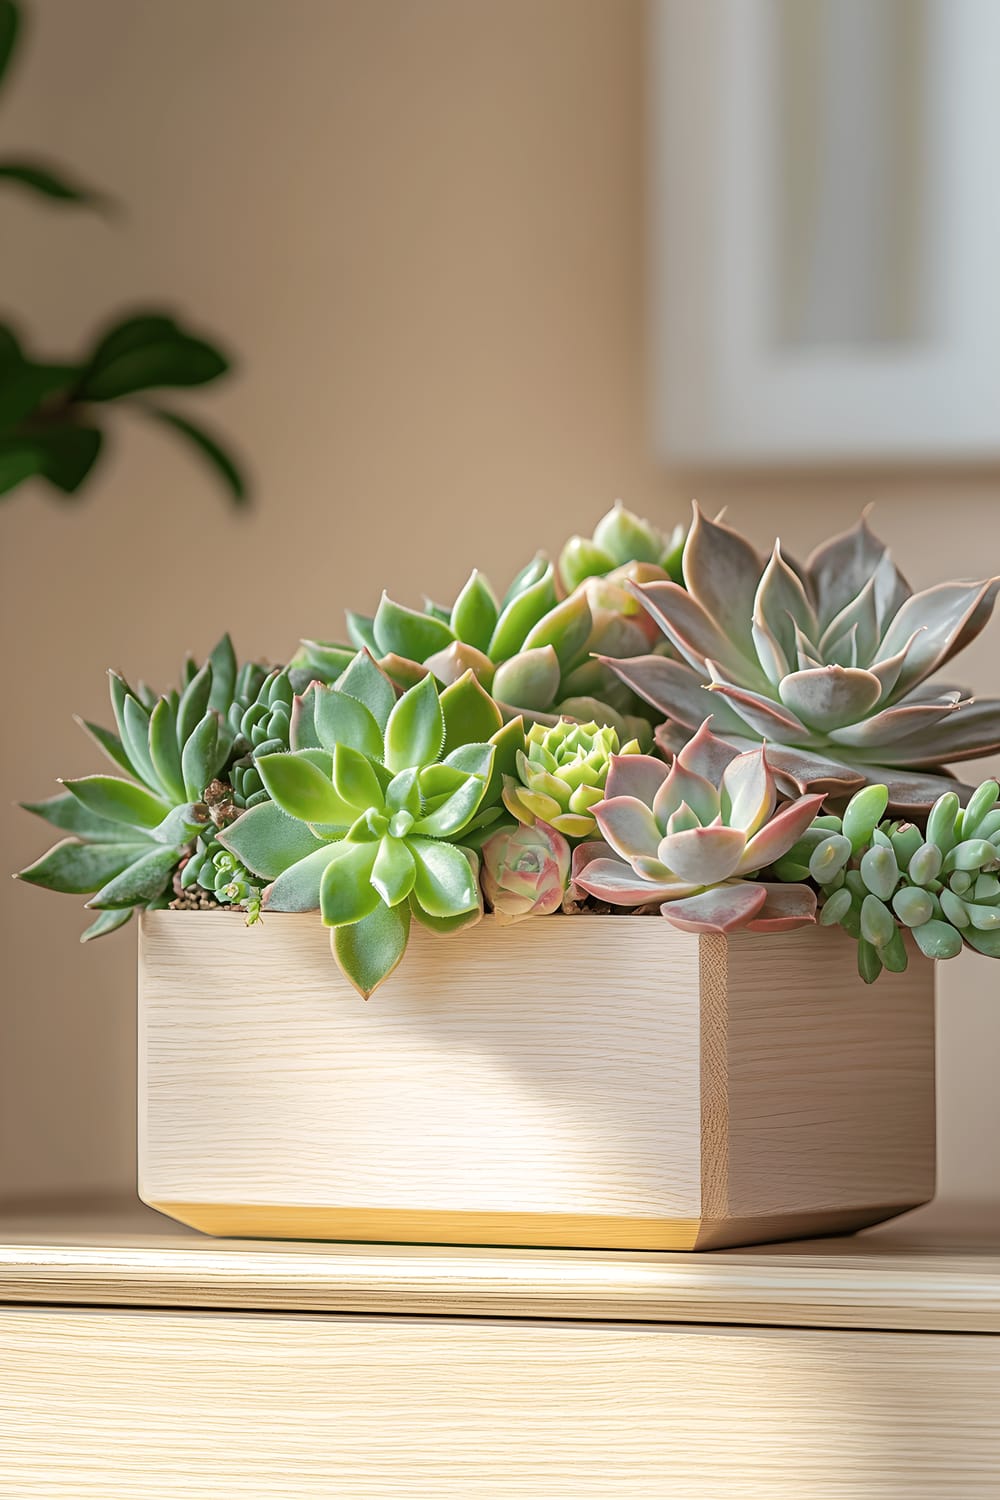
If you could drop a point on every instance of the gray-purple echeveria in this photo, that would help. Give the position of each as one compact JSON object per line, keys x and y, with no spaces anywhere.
{"x":691,"y":837}
{"x":827,"y":664}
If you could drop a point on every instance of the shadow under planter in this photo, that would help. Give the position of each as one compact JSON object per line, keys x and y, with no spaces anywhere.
{"x":599,"y":1082}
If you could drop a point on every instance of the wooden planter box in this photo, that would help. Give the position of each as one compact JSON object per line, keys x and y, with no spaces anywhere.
{"x":605,"y":1082}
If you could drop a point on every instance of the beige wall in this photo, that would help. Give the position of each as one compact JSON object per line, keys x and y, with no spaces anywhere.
{"x":421,"y":223}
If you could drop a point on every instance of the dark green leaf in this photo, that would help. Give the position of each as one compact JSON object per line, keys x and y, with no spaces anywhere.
{"x":19,"y":460}
{"x":69,"y":453}
{"x":200,"y":756}
{"x":24,"y":386}
{"x":369,"y":950}
{"x":10,"y":26}
{"x":146,"y":352}
{"x":209,"y":447}
{"x":48,"y":183}
{"x":79,"y":869}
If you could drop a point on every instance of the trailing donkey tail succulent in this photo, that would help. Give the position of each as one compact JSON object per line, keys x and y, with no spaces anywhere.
{"x":880,"y":880}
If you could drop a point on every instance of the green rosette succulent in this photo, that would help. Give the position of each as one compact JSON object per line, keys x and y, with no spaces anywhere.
{"x":827,"y":663}
{"x":561,"y":775}
{"x":535,"y":651}
{"x":881,"y":879}
{"x":127,"y":835}
{"x":621,"y":539}
{"x":691,"y":839}
{"x":370,"y":809}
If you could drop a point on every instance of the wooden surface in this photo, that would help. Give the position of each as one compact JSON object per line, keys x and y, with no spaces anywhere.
{"x":118,"y":1405}
{"x":936,"y":1270}
{"x":608,"y":1081}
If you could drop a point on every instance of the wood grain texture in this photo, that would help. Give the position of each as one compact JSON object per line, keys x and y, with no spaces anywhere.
{"x":605,"y":1082}
{"x":947,"y":1277}
{"x":116,"y":1405}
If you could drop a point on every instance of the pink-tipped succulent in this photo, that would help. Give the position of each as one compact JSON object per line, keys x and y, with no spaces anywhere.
{"x":691,"y":837}
{"x":525,"y":871}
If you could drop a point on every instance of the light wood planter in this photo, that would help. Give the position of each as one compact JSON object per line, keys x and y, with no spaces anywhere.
{"x":602,"y":1082}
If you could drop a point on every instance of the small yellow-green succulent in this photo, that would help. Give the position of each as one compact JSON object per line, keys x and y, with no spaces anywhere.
{"x":561,"y":774}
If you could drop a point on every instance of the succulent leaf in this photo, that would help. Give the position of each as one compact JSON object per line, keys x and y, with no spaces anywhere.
{"x":828,"y":666}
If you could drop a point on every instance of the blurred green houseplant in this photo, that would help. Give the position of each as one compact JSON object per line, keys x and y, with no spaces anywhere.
{"x":53,"y":413}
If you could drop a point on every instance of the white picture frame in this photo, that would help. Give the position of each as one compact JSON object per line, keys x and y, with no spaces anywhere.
{"x":726,"y":389}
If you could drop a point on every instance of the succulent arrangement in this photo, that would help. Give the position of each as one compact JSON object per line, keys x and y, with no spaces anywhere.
{"x":789,"y":765}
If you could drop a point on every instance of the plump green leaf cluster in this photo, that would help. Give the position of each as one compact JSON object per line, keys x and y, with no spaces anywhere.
{"x":561,"y":775}
{"x":127,"y":834}
{"x":621,"y":538}
{"x":53,"y":412}
{"x":214,"y":869}
{"x":374,"y":811}
{"x":535,"y":649}
{"x":881,"y":879}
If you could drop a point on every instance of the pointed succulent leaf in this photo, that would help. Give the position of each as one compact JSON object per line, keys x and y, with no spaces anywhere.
{"x":346,"y":893}
{"x":475,"y":613}
{"x":627,"y":538}
{"x":355,"y":781}
{"x":580,"y":559}
{"x":105,"y":922}
{"x":470,"y":714}
{"x":703,"y":856}
{"x":268,"y":841}
{"x":223,"y":660}
{"x":342,"y":720}
{"x":393,"y":871}
{"x":414,"y":734}
{"x":80,"y":869}
{"x":200,"y":756}
{"x":721,"y":571}
{"x":297,"y":887}
{"x":164,"y":754}
{"x":629,"y":826}
{"x":406,"y":632}
{"x":181,"y":824}
{"x":529,"y":679}
{"x":194,"y":703}
{"x":566,"y":628}
{"x":444,"y":883}
{"x":71,"y":815}
{"x":368,"y":951}
{"x":361,"y":631}
{"x":778,"y":835}
{"x":785,"y":907}
{"x":303,"y":790}
{"x":141,"y":881}
{"x":825,"y":697}
{"x":454,"y":661}
{"x":455,"y":812}
{"x":364,"y":680}
{"x":120,"y":801}
{"x":522,"y":613}
{"x":110,"y":743}
{"x":746,"y":792}
{"x":724,"y":909}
